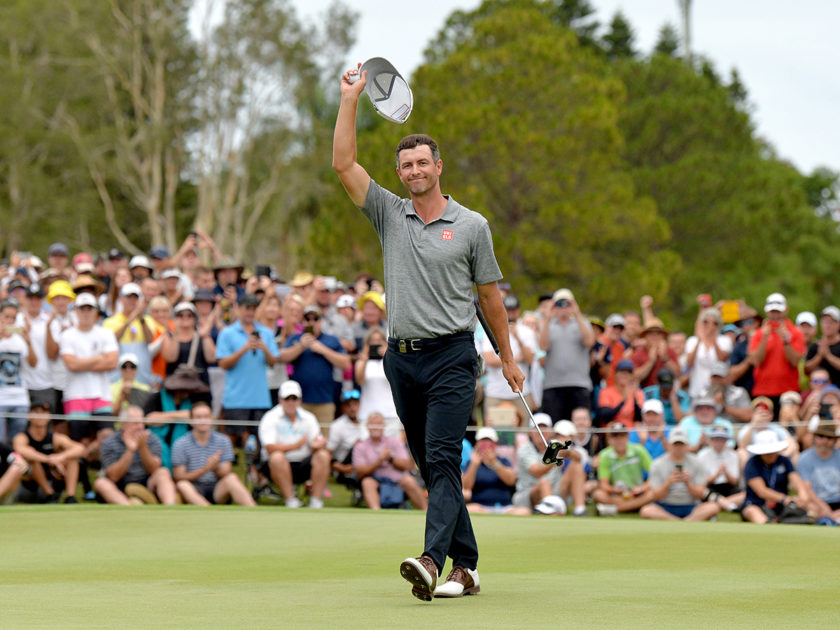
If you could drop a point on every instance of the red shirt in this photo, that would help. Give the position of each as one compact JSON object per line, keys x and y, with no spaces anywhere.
{"x":775,"y":375}
{"x":641,"y":356}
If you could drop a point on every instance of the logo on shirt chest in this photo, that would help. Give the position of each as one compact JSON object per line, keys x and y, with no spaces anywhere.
{"x":447,"y":235}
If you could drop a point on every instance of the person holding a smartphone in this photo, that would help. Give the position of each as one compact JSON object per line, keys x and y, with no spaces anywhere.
{"x":373,"y":384}
{"x":15,"y":349}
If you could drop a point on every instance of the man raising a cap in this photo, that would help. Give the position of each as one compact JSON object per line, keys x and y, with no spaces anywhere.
{"x":770,"y":476}
{"x":825,"y":353}
{"x":775,"y":350}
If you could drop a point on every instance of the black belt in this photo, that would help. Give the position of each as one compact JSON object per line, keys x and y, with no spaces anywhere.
{"x":424,"y":345}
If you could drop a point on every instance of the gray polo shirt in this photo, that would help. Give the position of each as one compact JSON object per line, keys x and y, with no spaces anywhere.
{"x":430,"y":268}
{"x":567,"y":358}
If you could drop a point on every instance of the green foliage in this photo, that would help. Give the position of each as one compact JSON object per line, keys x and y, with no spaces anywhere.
{"x":618,"y":41}
{"x":668,"y":41}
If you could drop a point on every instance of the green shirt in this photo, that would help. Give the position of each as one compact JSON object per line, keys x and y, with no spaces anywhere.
{"x":630,"y":469}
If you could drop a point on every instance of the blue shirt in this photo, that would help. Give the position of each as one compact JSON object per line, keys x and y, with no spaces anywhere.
{"x":246,"y":383}
{"x":824,"y":474}
{"x":775,"y":476}
{"x":654,"y":447}
{"x":313,"y":371}
{"x":489,"y":489}
{"x":652,"y":393}
{"x":694,"y":429}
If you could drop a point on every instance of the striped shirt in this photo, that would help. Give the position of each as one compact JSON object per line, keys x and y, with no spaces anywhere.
{"x":189,"y":453}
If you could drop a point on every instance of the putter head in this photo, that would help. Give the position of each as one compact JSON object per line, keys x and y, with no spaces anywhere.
{"x":552,"y":453}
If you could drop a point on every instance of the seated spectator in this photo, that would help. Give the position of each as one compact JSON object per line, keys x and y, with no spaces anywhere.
{"x":789,"y":405}
{"x":293,"y":448}
{"x":488,"y":480}
{"x":585,"y":438}
{"x":572,"y":486}
{"x":678,"y":485}
{"x":826,"y":406}
{"x":819,"y":467}
{"x":652,"y":432}
{"x":732,"y":402}
{"x":345,"y":432}
{"x":770,"y":476}
{"x":374,"y":388}
{"x":534,"y":480}
{"x":202,"y":463}
{"x":53,"y":459}
{"x":12,"y":469}
{"x":132,"y":456}
{"x":675,"y":401}
{"x":383,"y":466}
{"x":127,"y":390}
{"x":623,"y":401}
{"x":621,"y":475}
{"x":762,"y":421}
{"x":698,"y":424}
{"x":722,"y":469}
{"x":15,"y":349}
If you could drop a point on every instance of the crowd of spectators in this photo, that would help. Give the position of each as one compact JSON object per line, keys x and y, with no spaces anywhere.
{"x":154,"y":379}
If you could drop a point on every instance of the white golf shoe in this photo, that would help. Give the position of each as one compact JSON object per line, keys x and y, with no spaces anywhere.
{"x":459,"y":582}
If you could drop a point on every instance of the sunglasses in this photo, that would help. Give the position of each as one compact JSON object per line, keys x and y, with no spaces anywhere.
{"x":351,"y":395}
{"x":312,"y":318}
{"x":819,"y":381}
{"x":185,"y":314}
{"x":128,"y":366}
{"x":292,"y":397}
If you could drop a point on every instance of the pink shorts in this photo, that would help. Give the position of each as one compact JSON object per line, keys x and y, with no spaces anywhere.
{"x":87,"y":406}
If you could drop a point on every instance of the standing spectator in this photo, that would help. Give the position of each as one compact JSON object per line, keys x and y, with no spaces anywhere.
{"x":383,"y":466}
{"x":132,"y":456}
{"x":375,"y":390}
{"x":825,"y":353}
{"x":566,"y":337}
{"x":632,"y":329}
{"x":372,"y":309}
{"x":622,"y":401}
{"x":245,"y":349}
{"x":15,"y":351}
{"x":677,"y":341}
{"x":819,"y":467}
{"x":678,"y":485}
{"x":293,"y":448}
{"x":652,"y":433}
{"x":109,"y":302}
{"x":140,"y":268}
{"x":770,"y":476}
{"x":707,"y":347}
{"x":134,"y":329}
{"x":722,"y":469}
{"x":488,"y":479}
{"x":676,"y":402}
{"x":202,"y":463}
{"x":188,"y":340}
{"x":613,"y":340}
{"x":90,"y":352}
{"x":313,"y":355}
{"x":775,"y":351}
{"x":741,"y":372}
{"x":58,"y":257}
{"x":654,"y":354}
{"x":523,"y":344}
{"x":38,"y":378}
{"x":807,"y":323}
{"x":345,"y":305}
{"x":127,"y":390}
{"x":622,"y":486}
{"x":62,"y":318}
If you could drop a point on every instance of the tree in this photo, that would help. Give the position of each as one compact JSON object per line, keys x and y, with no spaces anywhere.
{"x":618,"y":41}
{"x":668,"y":41}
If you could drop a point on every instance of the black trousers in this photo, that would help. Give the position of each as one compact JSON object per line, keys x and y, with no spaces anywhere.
{"x":433,"y":393}
{"x":559,"y":402}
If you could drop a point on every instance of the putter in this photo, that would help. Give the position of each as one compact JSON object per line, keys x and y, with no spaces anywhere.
{"x":553,"y":448}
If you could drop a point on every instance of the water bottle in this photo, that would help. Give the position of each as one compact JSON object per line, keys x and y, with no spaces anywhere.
{"x":251,"y":449}
{"x":625,"y":491}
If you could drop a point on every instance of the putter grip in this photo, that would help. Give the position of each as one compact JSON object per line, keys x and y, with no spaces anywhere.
{"x":486,"y":327}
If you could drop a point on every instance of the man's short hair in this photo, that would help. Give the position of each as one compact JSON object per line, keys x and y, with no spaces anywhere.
{"x":199,"y":403}
{"x":415,"y":140}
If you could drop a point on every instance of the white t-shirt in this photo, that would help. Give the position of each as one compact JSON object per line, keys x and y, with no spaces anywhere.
{"x":701,"y":372}
{"x":376,"y":396}
{"x":497,"y":386}
{"x":84,"y":345}
{"x":711,"y":460}
{"x":40,"y":376}
{"x":13,"y":354}
{"x":275,"y":428}
{"x":344,"y":433}
{"x":57,"y":367}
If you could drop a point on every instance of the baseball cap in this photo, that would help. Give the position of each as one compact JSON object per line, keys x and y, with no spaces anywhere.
{"x":487,"y":433}
{"x":184,"y":306}
{"x":665,"y":376}
{"x":115,"y":254}
{"x":562,"y":294}
{"x":389,"y":92}
{"x":625,"y":365}
{"x":170,"y":273}
{"x":617,"y":428}
{"x":678,"y":435}
{"x":85,"y":267}
{"x":248,"y":299}
{"x":807,"y":317}
{"x":86,"y":299}
{"x":128,"y":357}
{"x":719,"y":431}
{"x":790,"y":397}
{"x":542,"y":419}
{"x":159,"y":251}
{"x":731,"y":328}
{"x":720,"y":368}
{"x":653,"y":405}
{"x":131,"y":288}
{"x":565,"y":428}
{"x":311,"y":309}
{"x":204,"y":295}
{"x":831,"y":311}
{"x":615,"y":320}
{"x":775,"y":302}
{"x":759,"y":401}
{"x":510,"y":302}
{"x":139,"y":261}
{"x":290,"y":388}
{"x":34,"y":290}
{"x":344,"y":301}
{"x":58,"y":249}
{"x":15,"y":284}
{"x":704,"y":400}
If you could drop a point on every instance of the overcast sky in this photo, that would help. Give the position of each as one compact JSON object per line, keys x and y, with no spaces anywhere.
{"x":786,"y":53}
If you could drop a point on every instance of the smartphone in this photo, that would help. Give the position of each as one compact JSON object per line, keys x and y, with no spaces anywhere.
{"x":825,"y":411}
{"x":193,"y":234}
{"x":309,"y":329}
{"x":375,"y":352}
{"x":255,"y":335}
{"x":14,"y":330}
{"x":263,"y":270}
{"x":679,"y":467}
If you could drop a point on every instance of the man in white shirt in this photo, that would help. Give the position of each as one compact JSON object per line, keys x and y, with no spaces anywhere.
{"x":37,"y":379}
{"x":293,"y":447}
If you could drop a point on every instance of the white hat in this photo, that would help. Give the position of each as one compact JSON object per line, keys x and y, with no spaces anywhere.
{"x":766,"y":442}
{"x":129,"y":357}
{"x":552,"y":504}
{"x":131,"y":288}
{"x":831,"y":311}
{"x":184,"y":306}
{"x":85,"y":267}
{"x":290,"y":388}
{"x":344,"y":301}
{"x":487,"y":433}
{"x":615,"y":320}
{"x":807,"y":317}
{"x":565,"y":428}
{"x":542,"y":419}
{"x":562,"y":294}
{"x":139,"y":261}
{"x":653,"y":405}
{"x":775,"y":302}
{"x":86,"y":299}
{"x":677,"y":434}
{"x":170,"y":273}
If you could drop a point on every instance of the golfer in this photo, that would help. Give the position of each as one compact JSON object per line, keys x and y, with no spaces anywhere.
{"x":434,"y":250}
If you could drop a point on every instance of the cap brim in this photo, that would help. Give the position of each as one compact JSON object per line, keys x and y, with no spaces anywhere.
{"x":766,"y":449}
{"x":388,"y":90}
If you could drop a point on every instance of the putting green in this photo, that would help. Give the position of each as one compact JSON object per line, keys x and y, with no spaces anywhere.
{"x":185,"y":567}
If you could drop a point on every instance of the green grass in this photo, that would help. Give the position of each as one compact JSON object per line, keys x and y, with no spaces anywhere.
{"x":91,"y":566}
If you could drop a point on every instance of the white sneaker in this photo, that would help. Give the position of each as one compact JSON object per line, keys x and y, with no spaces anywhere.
{"x":316,"y":503}
{"x":293,"y":502}
{"x":459,"y":582}
{"x":606,"y":509}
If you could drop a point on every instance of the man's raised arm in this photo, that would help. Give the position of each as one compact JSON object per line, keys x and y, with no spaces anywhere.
{"x":355,"y":179}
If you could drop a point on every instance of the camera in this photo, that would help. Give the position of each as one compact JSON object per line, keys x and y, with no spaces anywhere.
{"x":825,"y":411}
{"x":309,"y":329}
{"x":562,"y":302}
{"x":263,"y":270}
{"x":375,"y":352}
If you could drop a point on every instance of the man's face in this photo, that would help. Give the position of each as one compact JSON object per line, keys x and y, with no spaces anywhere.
{"x":39,"y":417}
{"x":705,"y":414}
{"x":581,"y":419}
{"x":246,"y":313}
{"x":87,"y":316}
{"x":323,"y":297}
{"x":830,"y":326}
{"x":371,"y":313}
{"x":418,"y":170}
{"x":61,"y":303}
{"x":619,"y":442}
{"x":676,"y":342}
{"x":808,"y":331}
{"x":34,"y":304}
{"x":654,"y":339}
{"x":351,"y":408}
{"x":678,"y":451}
{"x":376,"y":426}
{"x":290,"y":405}
{"x":614,"y":332}
{"x":632,"y":325}
{"x":762,"y":415}
{"x":140,"y":272}
{"x":314,"y":320}
{"x":776,"y":316}
{"x":653,"y":420}
{"x":7,"y":317}
{"x":769,"y":458}
{"x":824,"y":445}
{"x":150,"y":289}
{"x":205,"y":280}
{"x":718,"y":444}
{"x":129,"y":302}
{"x":819,"y":379}
{"x":202,"y":418}
{"x":59,"y":261}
